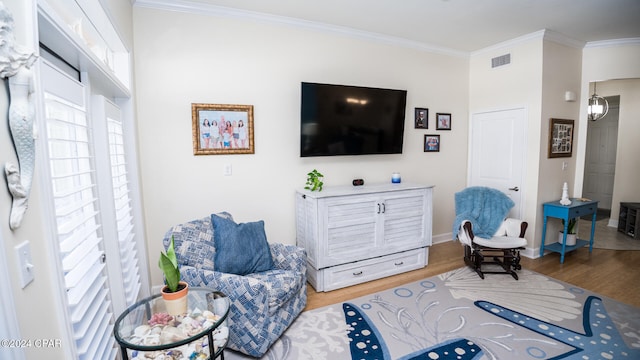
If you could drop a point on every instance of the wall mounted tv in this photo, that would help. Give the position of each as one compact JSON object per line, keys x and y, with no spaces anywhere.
{"x":350,"y":120}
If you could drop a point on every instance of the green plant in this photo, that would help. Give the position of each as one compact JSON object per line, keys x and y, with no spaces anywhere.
{"x":314,"y":181}
{"x":573,"y":226}
{"x":168,"y":263}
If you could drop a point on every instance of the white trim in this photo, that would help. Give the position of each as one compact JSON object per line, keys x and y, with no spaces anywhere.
{"x":56,"y":277}
{"x":130,"y":136}
{"x":614,"y":42}
{"x":562,"y":39}
{"x":214,"y":10}
{"x":8,"y":318}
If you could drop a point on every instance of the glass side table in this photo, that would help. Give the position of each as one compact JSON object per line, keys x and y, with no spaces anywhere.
{"x":146,"y":331}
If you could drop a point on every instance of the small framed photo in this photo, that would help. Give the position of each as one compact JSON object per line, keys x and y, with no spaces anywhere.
{"x":443,"y":121}
{"x":431,"y":143}
{"x":222,"y":129}
{"x":560,"y":138}
{"x":421,"y":118}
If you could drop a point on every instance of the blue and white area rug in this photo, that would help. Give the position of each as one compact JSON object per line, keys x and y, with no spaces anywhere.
{"x":456,"y":315}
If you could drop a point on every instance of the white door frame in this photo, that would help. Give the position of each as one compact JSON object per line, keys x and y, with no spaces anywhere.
{"x":9,"y":329}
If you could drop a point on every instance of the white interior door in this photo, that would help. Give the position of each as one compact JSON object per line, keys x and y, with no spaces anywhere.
{"x":497,"y":149}
{"x":600,"y":159}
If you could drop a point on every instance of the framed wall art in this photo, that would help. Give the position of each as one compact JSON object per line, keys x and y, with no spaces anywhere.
{"x":421,"y":118}
{"x":222,"y":129}
{"x":431,"y":143}
{"x":560,"y":138}
{"x":443,"y":121}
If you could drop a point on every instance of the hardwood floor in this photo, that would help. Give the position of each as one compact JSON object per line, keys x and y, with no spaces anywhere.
{"x":611,"y":273}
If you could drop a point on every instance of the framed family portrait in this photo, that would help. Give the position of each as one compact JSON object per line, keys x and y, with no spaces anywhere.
{"x":222,"y":129}
{"x":443,"y":121}
{"x":431,"y":143}
{"x":421,"y":118}
{"x":560,"y":138}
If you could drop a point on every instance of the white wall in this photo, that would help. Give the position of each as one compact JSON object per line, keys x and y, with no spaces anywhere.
{"x":34,"y":303}
{"x":625,"y":187}
{"x":542,"y":68}
{"x":185,"y":58}
{"x":518,"y":84}
{"x":620,"y":61}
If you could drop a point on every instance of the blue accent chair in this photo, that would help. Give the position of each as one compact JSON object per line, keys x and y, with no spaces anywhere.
{"x":263,"y":305}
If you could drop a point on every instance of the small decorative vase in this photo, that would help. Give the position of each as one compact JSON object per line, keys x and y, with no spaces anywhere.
{"x":176,"y":302}
{"x":395,"y":178}
{"x":571,"y":239}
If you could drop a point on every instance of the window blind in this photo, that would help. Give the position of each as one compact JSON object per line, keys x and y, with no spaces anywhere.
{"x":78,"y":229}
{"x":123,"y":210}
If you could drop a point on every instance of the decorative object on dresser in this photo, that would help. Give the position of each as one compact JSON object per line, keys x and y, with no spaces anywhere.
{"x":353,"y":235}
{"x":263,"y":303}
{"x":314,"y":181}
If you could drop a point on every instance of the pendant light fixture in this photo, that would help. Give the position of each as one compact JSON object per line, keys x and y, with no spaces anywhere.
{"x":598,"y":106}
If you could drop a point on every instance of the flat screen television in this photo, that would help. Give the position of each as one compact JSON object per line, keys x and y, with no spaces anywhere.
{"x":350,"y":120}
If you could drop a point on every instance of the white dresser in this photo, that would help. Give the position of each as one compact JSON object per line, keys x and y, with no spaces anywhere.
{"x":354,"y":234}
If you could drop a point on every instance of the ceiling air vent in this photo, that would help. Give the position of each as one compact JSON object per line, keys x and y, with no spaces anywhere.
{"x":501,"y":60}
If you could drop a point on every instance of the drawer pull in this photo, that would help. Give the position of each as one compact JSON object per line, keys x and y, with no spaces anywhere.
{"x":399,"y":263}
{"x":357,"y":273}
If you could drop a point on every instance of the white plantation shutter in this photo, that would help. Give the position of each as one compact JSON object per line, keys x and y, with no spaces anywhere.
{"x":124,"y":235}
{"x":77,"y":215}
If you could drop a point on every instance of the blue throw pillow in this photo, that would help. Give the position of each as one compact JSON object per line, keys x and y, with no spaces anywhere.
{"x":241,"y":249}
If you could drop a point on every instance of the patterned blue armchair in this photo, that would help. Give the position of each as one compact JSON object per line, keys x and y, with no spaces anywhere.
{"x":263,"y":304}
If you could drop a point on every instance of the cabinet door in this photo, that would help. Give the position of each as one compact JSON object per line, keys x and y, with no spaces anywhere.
{"x":350,"y":226}
{"x":406,"y":218}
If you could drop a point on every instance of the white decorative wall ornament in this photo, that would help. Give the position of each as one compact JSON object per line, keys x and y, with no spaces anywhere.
{"x":15,"y":66}
{"x":565,"y":195}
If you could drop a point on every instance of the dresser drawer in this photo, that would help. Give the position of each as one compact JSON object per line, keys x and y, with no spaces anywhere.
{"x":583,"y":210}
{"x":354,"y":273}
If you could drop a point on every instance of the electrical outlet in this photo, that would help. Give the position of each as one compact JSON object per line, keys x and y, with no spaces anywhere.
{"x":23,"y":252}
{"x":227,"y":170}
{"x":565,"y":165}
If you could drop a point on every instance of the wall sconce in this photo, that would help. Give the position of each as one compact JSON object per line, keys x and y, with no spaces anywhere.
{"x":598,"y":106}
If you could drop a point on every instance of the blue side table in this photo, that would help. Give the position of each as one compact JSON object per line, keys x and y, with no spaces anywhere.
{"x":577,"y":208}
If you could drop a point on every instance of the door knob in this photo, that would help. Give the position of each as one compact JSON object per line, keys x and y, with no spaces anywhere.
{"x":515,"y":188}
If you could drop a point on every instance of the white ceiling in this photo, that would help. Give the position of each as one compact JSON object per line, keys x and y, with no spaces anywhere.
{"x":458,"y":25}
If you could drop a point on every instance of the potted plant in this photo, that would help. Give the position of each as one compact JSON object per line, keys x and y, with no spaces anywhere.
{"x":572,"y":229}
{"x":175,"y":291}
{"x":314,"y":181}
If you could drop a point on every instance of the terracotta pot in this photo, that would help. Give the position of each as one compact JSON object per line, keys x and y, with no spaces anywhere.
{"x":571,"y":239}
{"x":176,"y":302}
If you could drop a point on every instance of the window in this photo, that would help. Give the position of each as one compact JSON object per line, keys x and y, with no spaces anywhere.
{"x":78,"y":227}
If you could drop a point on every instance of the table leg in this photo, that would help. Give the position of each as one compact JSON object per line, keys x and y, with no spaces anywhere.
{"x":564,"y":240}
{"x":593,"y":230}
{"x":544,"y":234}
{"x":124,"y":353}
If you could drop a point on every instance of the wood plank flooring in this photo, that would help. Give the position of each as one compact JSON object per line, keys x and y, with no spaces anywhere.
{"x":611,"y":273}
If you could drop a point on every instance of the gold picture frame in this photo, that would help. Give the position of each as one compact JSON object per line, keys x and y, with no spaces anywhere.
{"x":219,"y":129}
{"x":560,"y":138}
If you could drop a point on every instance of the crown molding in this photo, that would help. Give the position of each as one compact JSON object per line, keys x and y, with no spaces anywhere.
{"x":614,"y":42}
{"x":562,"y":39}
{"x":544,"y":35}
{"x":214,"y":10}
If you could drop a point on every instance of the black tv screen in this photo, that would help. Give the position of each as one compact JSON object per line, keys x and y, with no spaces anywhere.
{"x":350,"y":120}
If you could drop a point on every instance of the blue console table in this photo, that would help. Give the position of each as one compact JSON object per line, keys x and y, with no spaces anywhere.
{"x":577,"y":208}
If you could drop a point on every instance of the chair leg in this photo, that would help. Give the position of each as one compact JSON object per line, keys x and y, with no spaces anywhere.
{"x":473,"y":258}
